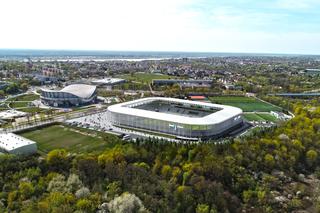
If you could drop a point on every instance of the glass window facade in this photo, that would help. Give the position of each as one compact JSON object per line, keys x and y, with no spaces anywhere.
{"x":56,"y":98}
{"x":174,"y":128}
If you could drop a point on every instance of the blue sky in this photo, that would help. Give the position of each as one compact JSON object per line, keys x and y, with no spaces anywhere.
{"x":263,"y":26}
{"x":266,"y":16}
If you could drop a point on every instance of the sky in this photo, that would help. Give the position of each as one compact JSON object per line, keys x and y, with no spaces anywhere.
{"x":245,"y":26}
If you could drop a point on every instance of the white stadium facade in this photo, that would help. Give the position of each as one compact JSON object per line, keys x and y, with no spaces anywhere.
{"x":72,"y":95}
{"x":182,"y":118}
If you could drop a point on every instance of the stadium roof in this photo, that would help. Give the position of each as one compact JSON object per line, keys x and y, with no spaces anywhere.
{"x":79,"y":90}
{"x":225,"y":112}
{"x":10,"y":141}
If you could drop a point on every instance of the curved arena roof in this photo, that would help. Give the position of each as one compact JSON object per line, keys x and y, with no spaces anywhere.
{"x":224,"y":113}
{"x":80,"y":90}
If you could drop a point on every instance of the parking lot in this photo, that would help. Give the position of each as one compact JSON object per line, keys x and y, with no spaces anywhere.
{"x":100,"y":122}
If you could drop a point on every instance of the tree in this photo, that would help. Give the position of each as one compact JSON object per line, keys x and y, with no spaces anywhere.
{"x":311,"y":156}
{"x":74,"y":183}
{"x":2,"y":94}
{"x":166,"y":171}
{"x":85,"y":205}
{"x":126,"y":203}
{"x":89,"y":170}
{"x":26,"y":190}
{"x":114,"y":189}
{"x":57,"y":202}
{"x":24,"y":86}
{"x":202,"y":208}
{"x":58,"y":184}
{"x":83,"y":192}
{"x":269,"y":161}
{"x":57,"y":160}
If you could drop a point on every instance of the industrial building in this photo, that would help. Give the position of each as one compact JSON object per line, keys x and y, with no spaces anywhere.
{"x":182,"y":118}
{"x":14,"y":144}
{"x":72,"y":95}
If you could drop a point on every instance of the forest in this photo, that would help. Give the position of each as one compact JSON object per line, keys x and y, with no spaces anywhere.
{"x":275,"y":170}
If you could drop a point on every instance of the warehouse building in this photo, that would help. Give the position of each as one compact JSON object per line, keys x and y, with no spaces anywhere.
{"x":14,"y":144}
{"x":72,"y":95}
{"x":182,"y":118}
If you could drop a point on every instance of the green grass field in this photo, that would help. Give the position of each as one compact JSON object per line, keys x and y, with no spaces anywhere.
{"x":32,"y":109}
{"x":25,"y":100}
{"x":247,"y":104}
{"x":22,"y":103}
{"x":260,"y":117}
{"x":253,"y":117}
{"x":267,"y":117}
{"x":59,"y":136}
{"x":144,"y":77}
{"x":27,"y":97}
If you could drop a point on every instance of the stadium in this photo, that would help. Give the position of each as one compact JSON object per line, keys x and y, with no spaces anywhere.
{"x":72,"y":95}
{"x":181,"y":118}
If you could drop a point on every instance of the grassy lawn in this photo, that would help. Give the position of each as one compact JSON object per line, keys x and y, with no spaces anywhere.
{"x":144,"y":77}
{"x":268,"y":117}
{"x":25,"y":100}
{"x":247,"y":104}
{"x":260,"y":117}
{"x":253,"y":117}
{"x":27,"y":97}
{"x":2,"y":108}
{"x":32,"y":109}
{"x":71,"y":139}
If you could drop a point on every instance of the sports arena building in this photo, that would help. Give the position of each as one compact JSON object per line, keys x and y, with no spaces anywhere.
{"x":182,"y":118}
{"x":72,"y":95}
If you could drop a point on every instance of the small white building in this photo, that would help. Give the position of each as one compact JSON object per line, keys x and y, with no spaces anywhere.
{"x":15,"y":144}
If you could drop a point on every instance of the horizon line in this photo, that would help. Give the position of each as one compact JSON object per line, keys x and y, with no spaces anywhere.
{"x":160,"y":51}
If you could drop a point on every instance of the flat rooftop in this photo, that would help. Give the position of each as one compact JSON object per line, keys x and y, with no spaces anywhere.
{"x":10,"y":141}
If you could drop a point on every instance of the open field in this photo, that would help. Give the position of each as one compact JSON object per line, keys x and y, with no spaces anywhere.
{"x":27,"y":97}
{"x":144,"y":77}
{"x":267,"y":117}
{"x":247,"y":104}
{"x":252,"y":117}
{"x":260,"y":117}
{"x":72,"y":139}
{"x":22,"y":101}
{"x":32,"y":109}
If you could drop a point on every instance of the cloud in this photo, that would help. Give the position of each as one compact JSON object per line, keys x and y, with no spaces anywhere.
{"x":176,"y":25}
{"x":297,"y":5}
